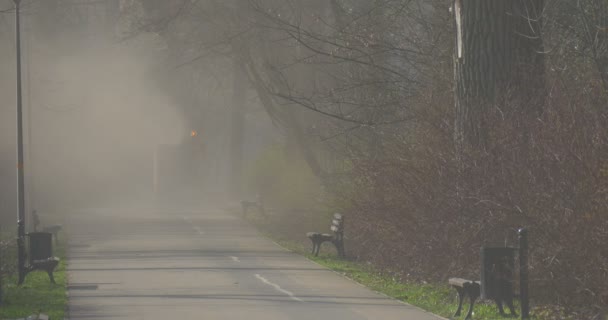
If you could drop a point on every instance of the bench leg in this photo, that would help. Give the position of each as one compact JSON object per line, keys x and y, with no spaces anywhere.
{"x":50,"y":272}
{"x":22,"y":277}
{"x":460,"y":298}
{"x":499,"y":306}
{"x":317,"y":248}
{"x":471,"y":306}
{"x":314,"y":250}
{"x":336,"y":244}
{"x":339,"y":244}
{"x":341,"y":250}
{"x":509,"y":303}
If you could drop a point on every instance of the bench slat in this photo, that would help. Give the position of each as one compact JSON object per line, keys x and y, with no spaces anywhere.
{"x":337,"y":238}
{"x":459,"y":282}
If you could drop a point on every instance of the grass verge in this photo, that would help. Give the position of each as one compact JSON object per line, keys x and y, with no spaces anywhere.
{"x":435,"y":298}
{"x":439,"y":299}
{"x":37,"y":294}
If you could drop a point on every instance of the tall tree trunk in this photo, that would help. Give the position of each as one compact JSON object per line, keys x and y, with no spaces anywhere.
{"x":498,"y":54}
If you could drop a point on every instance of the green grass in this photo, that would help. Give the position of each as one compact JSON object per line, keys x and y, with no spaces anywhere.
{"x":437,"y":298}
{"x":434,"y":298}
{"x":37,"y":294}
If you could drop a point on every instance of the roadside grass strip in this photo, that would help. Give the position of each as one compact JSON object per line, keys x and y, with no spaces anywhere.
{"x":37,"y":294}
{"x":441,"y":300}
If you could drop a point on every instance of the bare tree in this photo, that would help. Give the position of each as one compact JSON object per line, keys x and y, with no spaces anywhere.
{"x":498,"y":54}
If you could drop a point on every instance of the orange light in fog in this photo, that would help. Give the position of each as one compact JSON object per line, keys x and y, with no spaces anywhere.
{"x":193,"y":133}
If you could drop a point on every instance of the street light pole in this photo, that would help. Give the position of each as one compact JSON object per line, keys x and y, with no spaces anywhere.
{"x":20,"y":173}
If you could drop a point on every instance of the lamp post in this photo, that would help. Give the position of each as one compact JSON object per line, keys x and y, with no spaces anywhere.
{"x":20,"y":174}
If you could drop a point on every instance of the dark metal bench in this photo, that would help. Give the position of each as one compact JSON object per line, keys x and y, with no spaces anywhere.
{"x":466,"y":288}
{"x":337,"y":238}
{"x":497,"y":279}
{"x":54,"y":228}
{"x":40,"y":255}
{"x":245,"y":204}
{"x":497,"y":276}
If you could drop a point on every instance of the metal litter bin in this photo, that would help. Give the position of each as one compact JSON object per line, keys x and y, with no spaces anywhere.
{"x":497,"y":272}
{"x":41,"y":245}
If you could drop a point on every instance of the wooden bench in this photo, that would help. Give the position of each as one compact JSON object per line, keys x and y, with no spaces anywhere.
{"x":337,"y":238}
{"x":41,"y":255}
{"x":47,"y":265}
{"x":497,"y":273}
{"x":54,"y":229}
{"x":466,"y":288}
{"x":245,"y":204}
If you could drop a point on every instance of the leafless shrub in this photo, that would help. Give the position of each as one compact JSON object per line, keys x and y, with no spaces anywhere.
{"x":547,"y":173}
{"x":8,"y":257}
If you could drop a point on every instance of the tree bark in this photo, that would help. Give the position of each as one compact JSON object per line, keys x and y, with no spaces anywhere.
{"x":498,"y":55}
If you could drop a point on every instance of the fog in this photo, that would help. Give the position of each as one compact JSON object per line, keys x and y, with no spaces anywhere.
{"x":104,"y":123}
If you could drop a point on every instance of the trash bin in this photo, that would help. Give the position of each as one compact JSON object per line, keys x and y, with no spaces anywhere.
{"x":497,"y":272}
{"x":41,"y":245}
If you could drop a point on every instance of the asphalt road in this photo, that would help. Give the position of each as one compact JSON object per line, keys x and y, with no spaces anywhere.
{"x":204,"y":265}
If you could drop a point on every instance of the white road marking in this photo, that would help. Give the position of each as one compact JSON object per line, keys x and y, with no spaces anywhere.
{"x":278,"y":288}
{"x":235,"y":259}
{"x":196,"y":228}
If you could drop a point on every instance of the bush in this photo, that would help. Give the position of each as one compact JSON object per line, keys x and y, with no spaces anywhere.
{"x":284,"y":182}
{"x":546,"y":173}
